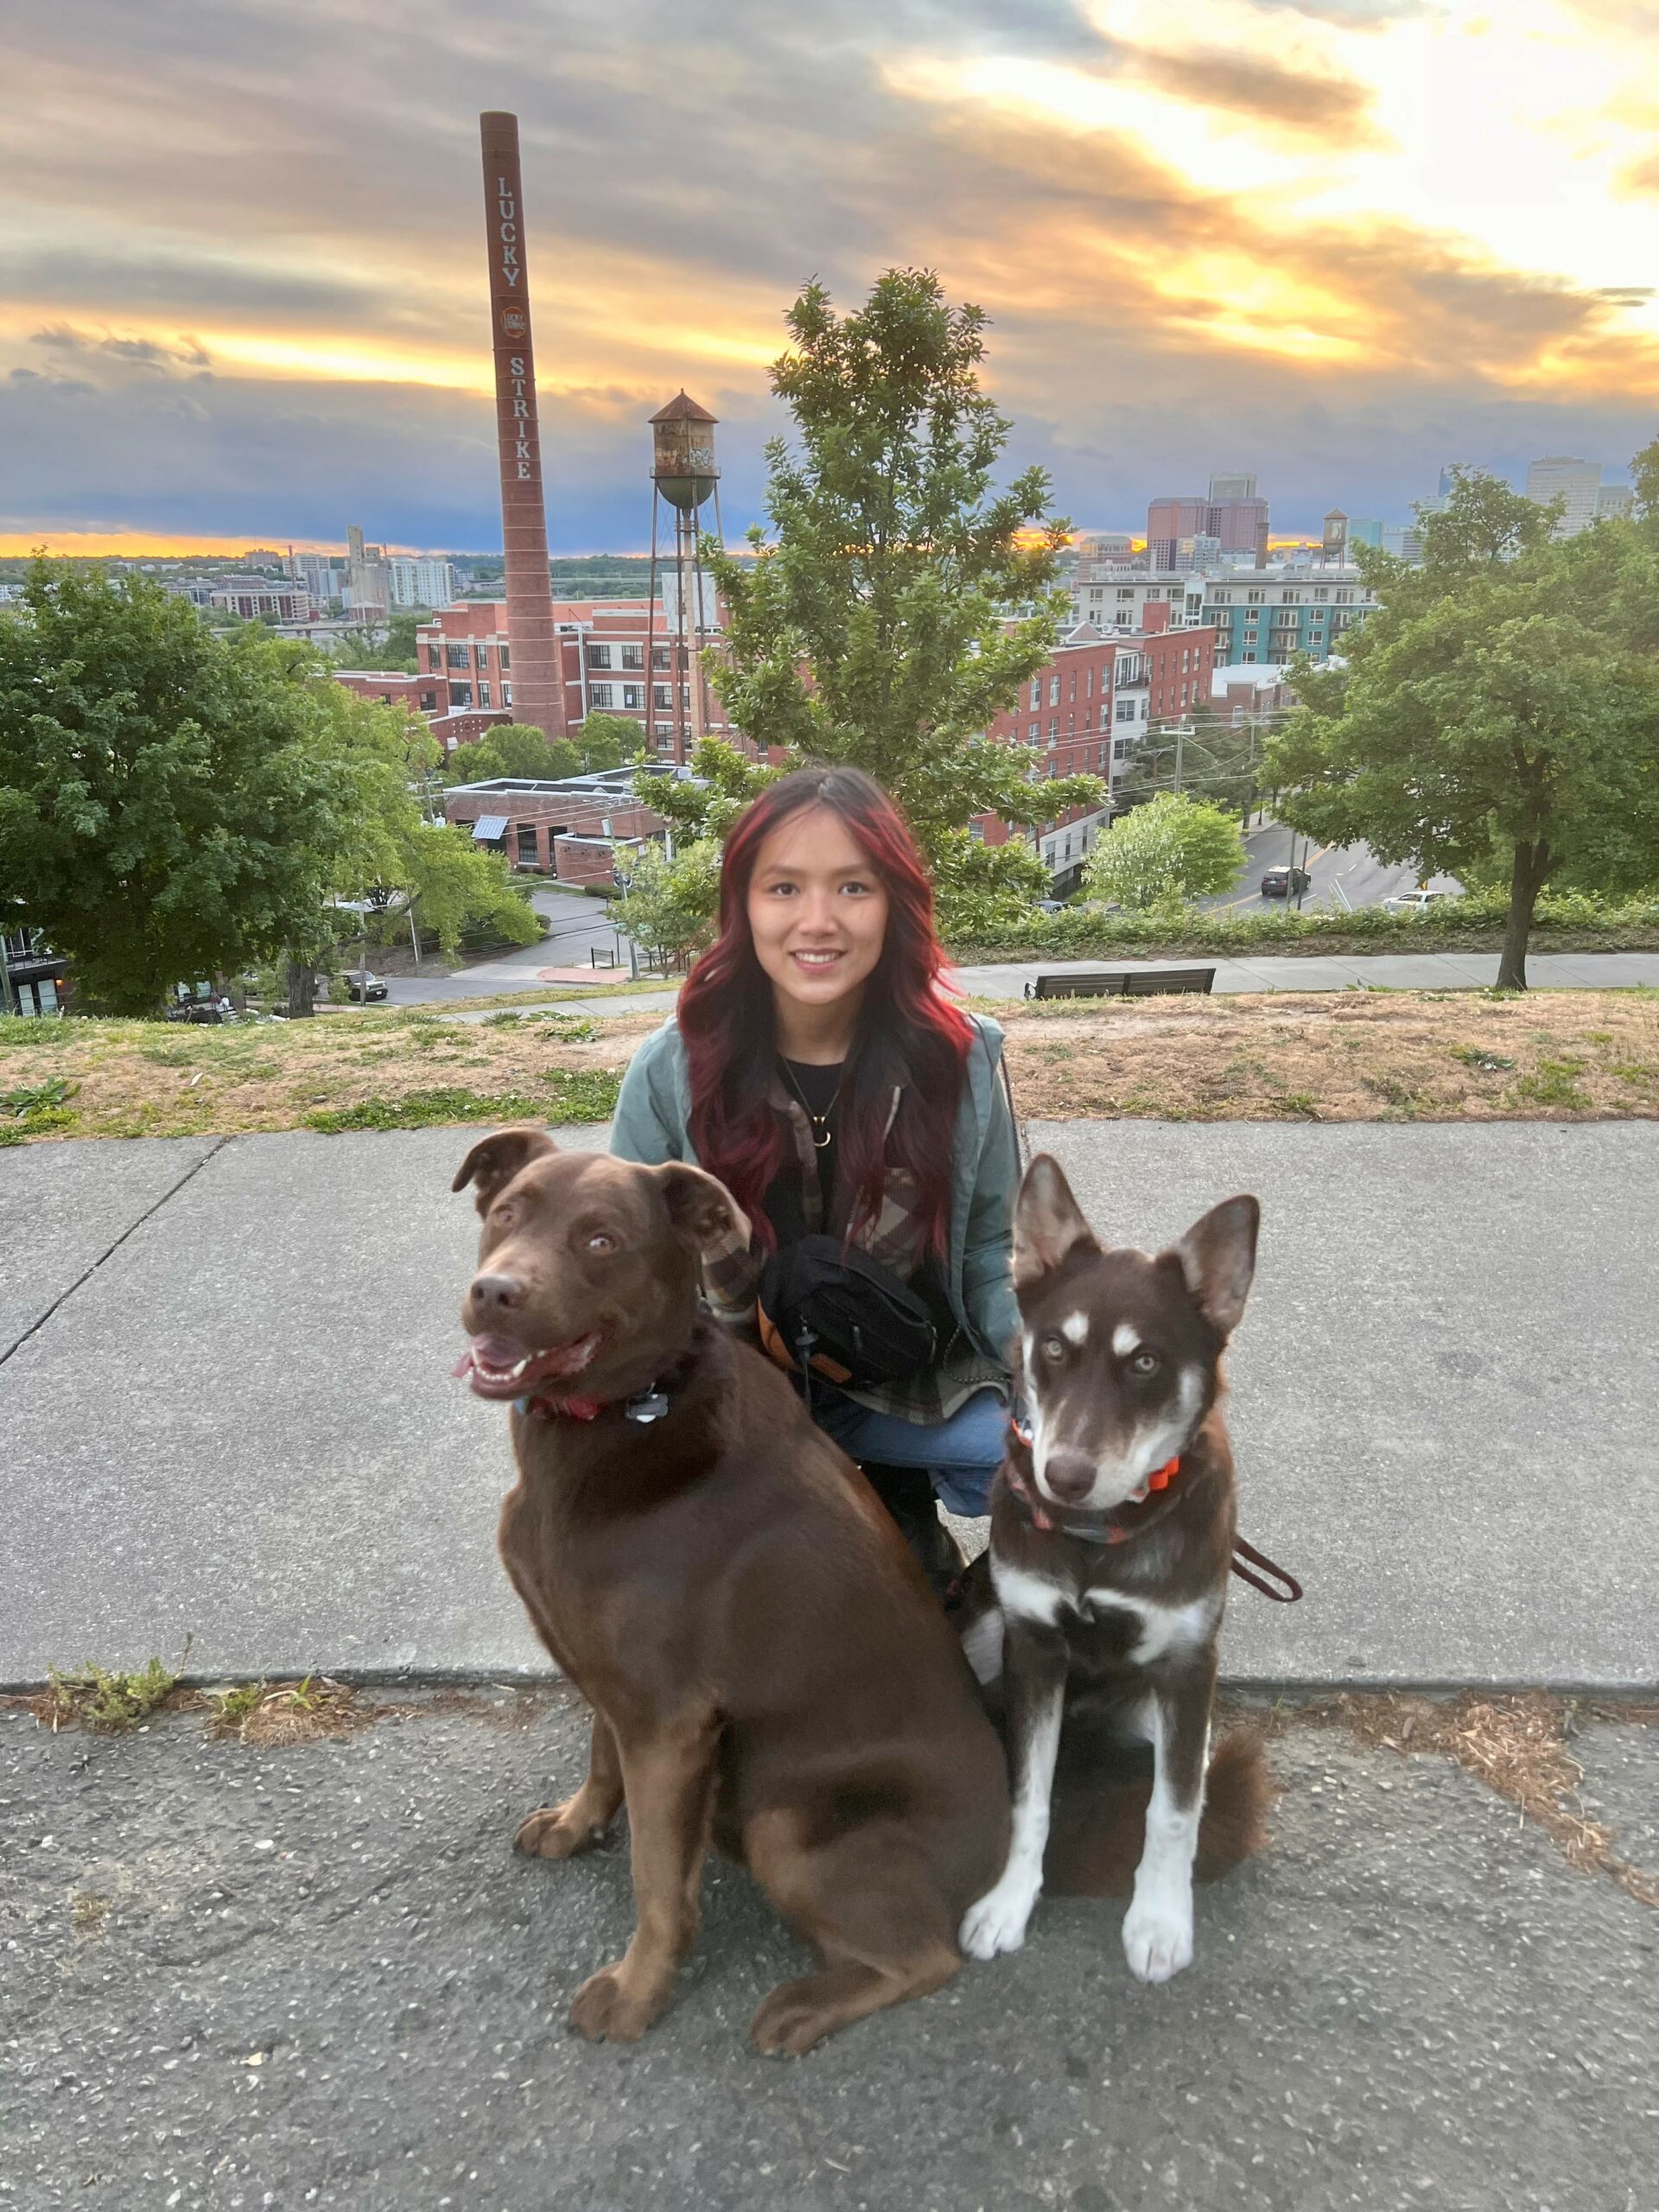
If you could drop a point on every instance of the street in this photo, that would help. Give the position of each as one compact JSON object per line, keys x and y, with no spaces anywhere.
{"x":578,"y":928}
{"x":1350,"y":875}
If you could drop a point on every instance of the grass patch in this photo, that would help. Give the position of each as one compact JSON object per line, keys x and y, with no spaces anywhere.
{"x":284,"y":1712}
{"x":106,"y":1700}
{"x":577,"y":1096}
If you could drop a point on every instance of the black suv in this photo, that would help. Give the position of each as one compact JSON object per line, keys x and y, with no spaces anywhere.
{"x":1285,"y":882}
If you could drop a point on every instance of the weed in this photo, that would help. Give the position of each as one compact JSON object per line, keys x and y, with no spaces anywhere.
{"x":1303,"y":1102}
{"x":20,"y":1105}
{"x":1553,"y":1085}
{"x":86,"y":1912}
{"x":108,"y":1699}
{"x":1476,"y":1056}
{"x":232,"y":1707}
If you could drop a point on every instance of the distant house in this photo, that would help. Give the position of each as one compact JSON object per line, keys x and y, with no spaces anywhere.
{"x":32,"y":976}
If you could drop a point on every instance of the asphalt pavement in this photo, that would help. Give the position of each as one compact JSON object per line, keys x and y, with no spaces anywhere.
{"x":578,"y":929}
{"x":319,"y":1977}
{"x":226,"y":1411}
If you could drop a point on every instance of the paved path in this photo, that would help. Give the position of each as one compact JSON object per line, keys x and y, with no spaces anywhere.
{"x":240,"y":1426}
{"x":319,"y":1977}
{"x":1384,"y":971}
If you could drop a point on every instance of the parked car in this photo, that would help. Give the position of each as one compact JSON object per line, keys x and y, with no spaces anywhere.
{"x":1415,"y":902}
{"x":1285,"y":882}
{"x":1050,"y":907}
{"x":366,"y":986}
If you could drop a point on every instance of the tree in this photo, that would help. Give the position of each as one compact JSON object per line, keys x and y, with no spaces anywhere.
{"x":899,"y":602}
{"x":1166,"y":853}
{"x":518,"y":750}
{"x":1215,"y":760}
{"x":162,"y":800}
{"x":668,"y":908}
{"x":607,"y":741}
{"x":1499,"y":716}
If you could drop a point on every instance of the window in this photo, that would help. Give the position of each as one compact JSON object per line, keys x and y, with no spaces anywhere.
{"x":1036,"y":734}
{"x":1250,"y":656}
{"x":1089,"y":683}
{"x":633,"y":695}
{"x":458,"y":655}
{"x":1126,"y":710}
{"x":528,"y":856}
{"x":505,"y":656}
{"x":1291,"y":597}
{"x":483,"y":694}
{"x":1053,"y":728}
{"x":1105,"y":753}
{"x":1324,"y":592}
{"x":1120,"y":748}
{"x":1126,"y":592}
{"x":601,"y":695}
{"x":1254,"y":598}
{"x":1036,"y":691}
{"x":507,"y":695}
{"x":1053,"y":690}
{"x":1105,"y":713}
{"x":599,"y":656}
{"x":1072,"y":693}
{"x":661,"y":695}
{"x":1344,"y":599}
{"x":659,"y":656}
{"x":460,"y":695}
{"x":633,"y":657}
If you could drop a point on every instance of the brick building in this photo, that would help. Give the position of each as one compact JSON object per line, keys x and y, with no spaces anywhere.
{"x":466,"y":664}
{"x":573,"y":831}
{"x":1093,"y":703}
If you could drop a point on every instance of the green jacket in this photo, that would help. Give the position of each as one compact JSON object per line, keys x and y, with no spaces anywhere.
{"x":651,"y":1126}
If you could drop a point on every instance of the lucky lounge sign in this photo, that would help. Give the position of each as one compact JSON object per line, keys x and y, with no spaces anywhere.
{"x":515,"y":324}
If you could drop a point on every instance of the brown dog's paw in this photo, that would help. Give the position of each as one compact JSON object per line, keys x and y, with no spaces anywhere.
{"x":605,"y":2011}
{"x":793,"y":2019}
{"x":551,"y":1833}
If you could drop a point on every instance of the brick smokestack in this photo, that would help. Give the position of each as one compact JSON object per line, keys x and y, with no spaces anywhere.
{"x":537,"y":691}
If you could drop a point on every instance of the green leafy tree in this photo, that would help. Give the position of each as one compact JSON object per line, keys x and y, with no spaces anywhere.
{"x":900,"y":602}
{"x":607,"y":741}
{"x":512,"y":749}
{"x":1499,"y":716}
{"x":163,"y":800}
{"x":723,"y":783}
{"x":668,"y":906}
{"x":398,"y":648}
{"x":1214,"y":761}
{"x":1166,"y":854}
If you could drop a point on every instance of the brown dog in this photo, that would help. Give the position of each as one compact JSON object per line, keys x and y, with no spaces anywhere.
{"x":762,"y":1656}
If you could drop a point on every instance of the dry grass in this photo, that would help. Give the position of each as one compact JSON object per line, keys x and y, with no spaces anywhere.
{"x":1360,"y":1056}
{"x":148,"y":1079}
{"x":1517,"y":1746}
{"x":273,"y":1714}
{"x":1318,"y":1057}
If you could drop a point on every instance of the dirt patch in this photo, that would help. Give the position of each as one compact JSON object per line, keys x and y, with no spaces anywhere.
{"x":1340,"y":1057}
{"x":1519,"y":1746}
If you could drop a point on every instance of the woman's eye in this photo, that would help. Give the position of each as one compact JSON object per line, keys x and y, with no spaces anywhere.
{"x":1052,"y":1348}
{"x":1145,"y":1362}
{"x":599,"y":1241}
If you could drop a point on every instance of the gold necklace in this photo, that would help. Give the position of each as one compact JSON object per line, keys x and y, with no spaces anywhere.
{"x":823,"y":1134}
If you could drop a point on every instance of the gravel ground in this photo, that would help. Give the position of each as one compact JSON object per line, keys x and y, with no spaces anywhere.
{"x":317,"y":1976}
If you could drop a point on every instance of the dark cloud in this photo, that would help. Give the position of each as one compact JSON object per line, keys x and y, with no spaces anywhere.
{"x":1318,"y":106}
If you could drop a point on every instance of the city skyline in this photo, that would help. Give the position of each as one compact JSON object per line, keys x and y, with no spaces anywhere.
{"x":1333,"y":242}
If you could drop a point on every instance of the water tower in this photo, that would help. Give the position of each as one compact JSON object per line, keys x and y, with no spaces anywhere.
{"x":685,"y":479}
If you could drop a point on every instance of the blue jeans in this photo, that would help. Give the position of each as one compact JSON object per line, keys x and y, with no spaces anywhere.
{"x":960,"y":1454}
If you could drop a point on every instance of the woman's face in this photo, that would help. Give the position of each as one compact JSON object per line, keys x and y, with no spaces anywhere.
{"x":817,"y":910}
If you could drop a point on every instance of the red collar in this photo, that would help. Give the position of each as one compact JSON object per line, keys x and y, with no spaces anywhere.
{"x":1099,"y":1530}
{"x":644,"y":1407}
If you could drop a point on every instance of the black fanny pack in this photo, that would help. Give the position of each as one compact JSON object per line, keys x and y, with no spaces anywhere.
{"x":842,"y":1315}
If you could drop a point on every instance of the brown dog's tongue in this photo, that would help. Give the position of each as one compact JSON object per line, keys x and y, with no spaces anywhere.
{"x":497,"y":1353}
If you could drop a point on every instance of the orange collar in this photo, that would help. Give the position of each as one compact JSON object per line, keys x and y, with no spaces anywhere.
{"x":1100,"y":1530}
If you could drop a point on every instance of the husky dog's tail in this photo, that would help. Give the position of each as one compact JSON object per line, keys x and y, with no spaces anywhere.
{"x":1100,"y":1820}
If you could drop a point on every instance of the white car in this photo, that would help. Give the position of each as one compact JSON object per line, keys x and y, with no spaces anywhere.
{"x":1416,"y":902}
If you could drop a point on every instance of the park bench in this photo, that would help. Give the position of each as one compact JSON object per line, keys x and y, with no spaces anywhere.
{"x":1120,"y":982}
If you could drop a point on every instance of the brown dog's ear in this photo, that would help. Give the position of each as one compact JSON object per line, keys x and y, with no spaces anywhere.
{"x":1048,"y":1223}
{"x":493,"y":1162}
{"x":700,"y":1206}
{"x":1218,"y":1257}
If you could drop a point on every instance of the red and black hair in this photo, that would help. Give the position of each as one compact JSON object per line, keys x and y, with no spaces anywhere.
{"x":908,"y":1032}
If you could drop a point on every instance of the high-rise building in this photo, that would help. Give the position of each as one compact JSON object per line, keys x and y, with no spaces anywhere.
{"x":417,"y":582}
{"x":1232,"y":487}
{"x":1560,"y":475}
{"x":1168,"y":521}
{"x":1231,"y":513}
{"x":368,"y":590}
{"x":1614,"y":500}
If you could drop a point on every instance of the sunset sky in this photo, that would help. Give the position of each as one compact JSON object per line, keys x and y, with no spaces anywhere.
{"x":1340,"y":242}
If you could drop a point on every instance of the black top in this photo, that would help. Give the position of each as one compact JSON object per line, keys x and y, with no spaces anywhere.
{"x":817,"y":1087}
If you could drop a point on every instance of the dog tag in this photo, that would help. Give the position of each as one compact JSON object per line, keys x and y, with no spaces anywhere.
{"x":650,"y":1406}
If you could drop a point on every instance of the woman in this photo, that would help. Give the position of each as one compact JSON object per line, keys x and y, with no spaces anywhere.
{"x":816,"y":1068}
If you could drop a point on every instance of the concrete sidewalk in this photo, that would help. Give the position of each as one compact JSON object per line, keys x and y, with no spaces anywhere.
{"x":1380,"y":971}
{"x":226,"y":1412}
{"x":319,"y":1977}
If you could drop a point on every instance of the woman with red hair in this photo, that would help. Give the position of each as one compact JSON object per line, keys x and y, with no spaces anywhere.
{"x":817,"y":1066}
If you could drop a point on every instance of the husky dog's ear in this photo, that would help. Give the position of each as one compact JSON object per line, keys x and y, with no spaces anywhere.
{"x":493,"y":1163}
{"x":1048,"y":1223}
{"x":1218,"y":1257}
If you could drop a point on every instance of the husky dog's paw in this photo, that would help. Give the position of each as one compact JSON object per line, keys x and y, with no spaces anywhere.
{"x":998,"y":1921}
{"x":1157,"y":1936}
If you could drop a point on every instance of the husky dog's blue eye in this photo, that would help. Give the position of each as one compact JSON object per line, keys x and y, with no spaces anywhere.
{"x":1052,"y":1348}
{"x":1145,"y":1362}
